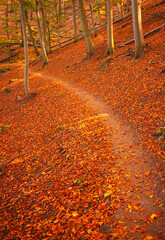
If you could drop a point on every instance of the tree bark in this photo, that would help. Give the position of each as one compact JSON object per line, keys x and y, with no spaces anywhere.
{"x":23,"y":21}
{"x":127,"y":4}
{"x":117,"y":5}
{"x":57,"y":23}
{"x":44,"y":29}
{"x":137,"y":28}
{"x":7,"y":27}
{"x":93,"y":23}
{"x":74,"y":20}
{"x":84,"y":23}
{"x":110,"y":40}
{"x":31,"y":35}
{"x":49,"y":37}
{"x":122,"y":8}
{"x":44,"y":55}
{"x":98,"y":9}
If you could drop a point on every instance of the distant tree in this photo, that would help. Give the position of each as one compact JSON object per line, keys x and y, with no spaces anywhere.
{"x":7,"y":26}
{"x":98,"y":9}
{"x":57,"y":14}
{"x":7,"y":22}
{"x":74,"y":20}
{"x":44,"y":25}
{"x":31,"y":34}
{"x":110,"y":40}
{"x":127,"y":5}
{"x":122,"y":8}
{"x":137,"y":28}
{"x":23,"y":21}
{"x":42,"y":43}
{"x":84,"y":23}
{"x":93,"y":23}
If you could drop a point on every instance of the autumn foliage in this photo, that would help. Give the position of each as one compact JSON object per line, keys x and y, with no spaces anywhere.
{"x":80,"y":159}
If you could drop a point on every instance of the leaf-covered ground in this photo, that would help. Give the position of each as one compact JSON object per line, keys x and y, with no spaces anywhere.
{"x":81,"y":159}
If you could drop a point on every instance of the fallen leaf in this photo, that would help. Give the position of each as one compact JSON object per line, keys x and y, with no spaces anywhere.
{"x":74,"y":214}
{"x":154,"y":216}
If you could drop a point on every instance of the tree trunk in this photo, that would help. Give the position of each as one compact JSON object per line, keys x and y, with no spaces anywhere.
{"x":127,"y":4}
{"x":48,"y":32}
{"x":98,"y":9}
{"x":49,"y":37}
{"x":7,"y":27}
{"x":43,"y":20}
{"x":122,"y":9}
{"x":137,"y":28}
{"x":74,"y":20}
{"x":60,"y":9}
{"x":44,"y":55}
{"x":84,"y":23}
{"x":23,"y":21}
{"x":57,"y":23}
{"x":117,"y":5}
{"x":31,"y":35}
{"x":110,"y":40}
{"x":93,"y":23}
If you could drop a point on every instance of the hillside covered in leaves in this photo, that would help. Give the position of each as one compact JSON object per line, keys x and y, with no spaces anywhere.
{"x":84,"y":156}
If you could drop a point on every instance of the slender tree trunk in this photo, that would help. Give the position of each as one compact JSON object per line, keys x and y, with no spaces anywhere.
{"x":48,"y":33}
{"x":7,"y":27}
{"x":84,"y":23}
{"x":117,"y":4}
{"x":110,"y":40}
{"x":93,"y":23}
{"x":49,"y":37}
{"x":22,"y":40}
{"x":127,"y":4}
{"x":23,"y":21}
{"x":74,"y":20}
{"x":60,"y":9}
{"x":98,"y":9}
{"x":31,"y":35}
{"x":122,"y":9}
{"x":44,"y":30}
{"x":57,"y":23}
{"x":137,"y":28}
{"x":44,"y":55}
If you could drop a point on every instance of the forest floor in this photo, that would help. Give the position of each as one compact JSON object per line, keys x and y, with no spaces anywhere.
{"x":84,"y":157}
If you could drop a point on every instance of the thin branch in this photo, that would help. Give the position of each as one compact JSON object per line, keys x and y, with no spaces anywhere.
{"x":21,"y":155}
{"x":8,"y":58}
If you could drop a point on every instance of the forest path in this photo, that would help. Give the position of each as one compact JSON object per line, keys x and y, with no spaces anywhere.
{"x":140,"y":208}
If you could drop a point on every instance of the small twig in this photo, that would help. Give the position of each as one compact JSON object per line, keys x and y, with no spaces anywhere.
{"x":35,"y":59}
{"x":8,"y":58}
{"x":158,"y":4}
{"x":162,"y":71}
{"x":21,"y":155}
{"x":53,"y":138}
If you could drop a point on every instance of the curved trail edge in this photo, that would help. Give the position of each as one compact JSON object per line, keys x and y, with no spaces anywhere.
{"x":139,"y":167}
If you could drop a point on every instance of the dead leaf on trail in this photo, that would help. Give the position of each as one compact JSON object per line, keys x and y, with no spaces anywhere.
{"x":149,"y":237}
{"x":108,"y":193}
{"x":154,"y":216}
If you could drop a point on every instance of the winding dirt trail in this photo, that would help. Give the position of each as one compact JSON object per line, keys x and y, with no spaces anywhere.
{"x":141,"y":204}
